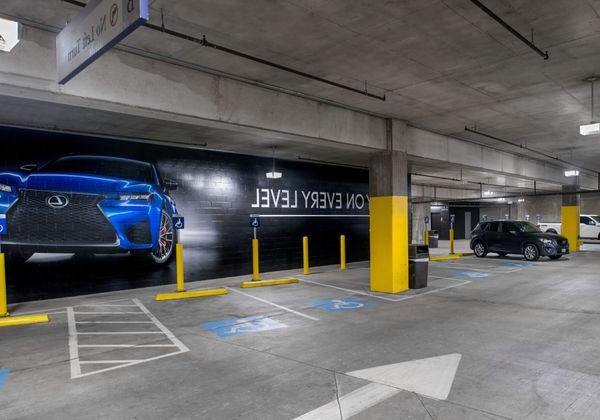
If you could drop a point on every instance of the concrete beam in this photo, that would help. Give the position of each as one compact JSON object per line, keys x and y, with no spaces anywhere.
{"x":136,"y":85}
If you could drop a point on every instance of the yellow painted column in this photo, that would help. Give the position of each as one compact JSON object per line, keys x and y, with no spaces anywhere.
{"x":305,"y":255}
{"x":389,"y":243}
{"x":255,"y":268}
{"x":342,"y":252}
{"x":3,"y":299}
{"x":570,"y":226}
{"x":179,"y":267}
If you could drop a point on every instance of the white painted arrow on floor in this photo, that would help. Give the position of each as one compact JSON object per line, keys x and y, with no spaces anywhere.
{"x":431,"y":377}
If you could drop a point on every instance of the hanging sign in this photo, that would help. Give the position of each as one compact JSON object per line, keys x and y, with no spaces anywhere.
{"x":101,"y":25}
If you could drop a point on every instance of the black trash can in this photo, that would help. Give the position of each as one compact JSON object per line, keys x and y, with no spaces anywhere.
{"x":418,"y":266}
{"x":434,"y":237}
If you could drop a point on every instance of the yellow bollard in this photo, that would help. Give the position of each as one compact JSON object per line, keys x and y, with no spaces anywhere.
{"x":426,"y":237}
{"x":9,"y":321}
{"x":305,"y":254}
{"x":255,"y":270}
{"x":179,"y":265}
{"x":342,"y":252}
{"x":451,"y":241}
{"x":180,"y":292}
{"x":3,"y":301}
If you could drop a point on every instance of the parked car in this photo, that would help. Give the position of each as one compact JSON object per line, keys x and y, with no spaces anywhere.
{"x":589,"y":226}
{"x":517,"y":237}
{"x":88,"y":204}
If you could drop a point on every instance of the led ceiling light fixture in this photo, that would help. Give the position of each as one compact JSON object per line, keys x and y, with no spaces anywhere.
{"x":571,"y":173}
{"x":274,"y":174}
{"x":9,"y":34}
{"x":593,"y":127}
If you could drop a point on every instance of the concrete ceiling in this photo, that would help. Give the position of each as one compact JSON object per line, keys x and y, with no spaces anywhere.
{"x":443,"y":64}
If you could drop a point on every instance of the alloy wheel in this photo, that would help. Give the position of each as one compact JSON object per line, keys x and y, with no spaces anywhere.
{"x":166,"y":241}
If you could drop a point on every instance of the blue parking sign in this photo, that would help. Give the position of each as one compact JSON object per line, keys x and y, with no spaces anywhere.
{"x":2,"y":224}
{"x":178,"y":222}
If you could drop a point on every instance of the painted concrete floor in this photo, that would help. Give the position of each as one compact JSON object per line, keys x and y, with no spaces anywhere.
{"x":526,"y":338}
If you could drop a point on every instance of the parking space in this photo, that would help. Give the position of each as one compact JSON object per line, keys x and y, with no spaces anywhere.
{"x":524,"y":333}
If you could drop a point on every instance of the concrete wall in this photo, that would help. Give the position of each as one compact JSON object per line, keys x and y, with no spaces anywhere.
{"x":419,"y":211}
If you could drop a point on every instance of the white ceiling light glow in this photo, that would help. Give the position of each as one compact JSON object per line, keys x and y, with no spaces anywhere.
{"x":572,"y":173}
{"x":488,"y":193}
{"x":274,"y":174}
{"x":9,"y":34}
{"x":589,"y":129}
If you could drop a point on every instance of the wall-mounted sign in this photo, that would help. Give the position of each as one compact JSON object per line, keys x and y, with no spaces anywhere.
{"x":101,"y":25}
{"x":9,"y":34}
{"x":2,"y":224}
{"x":254,"y":222}
{"x":426,"y":220}
{"x":178,"y":222}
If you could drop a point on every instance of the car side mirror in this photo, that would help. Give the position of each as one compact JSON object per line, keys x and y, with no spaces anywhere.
{"x":592,"y":223}
{"x":170,"y":185}
{"x":30,"y":167}
{"x":513,"y":232}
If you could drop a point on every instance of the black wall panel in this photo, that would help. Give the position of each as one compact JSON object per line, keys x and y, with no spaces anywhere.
{"x":216,"y":195}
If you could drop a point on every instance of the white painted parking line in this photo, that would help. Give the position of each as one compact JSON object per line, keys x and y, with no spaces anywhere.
{"x":399,"y":299}
{"x":107,"y":362}
{"x":126,"y":346}
{"x":74,"y":346}
{"x":274,"y":304}
{"x":109,"y":313}
{"x":73,"y":349}
{"x":119,"y":332}
{"x":114,"y":322}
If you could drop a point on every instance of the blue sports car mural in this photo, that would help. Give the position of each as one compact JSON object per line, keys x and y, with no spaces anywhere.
{"x":88,"y":204}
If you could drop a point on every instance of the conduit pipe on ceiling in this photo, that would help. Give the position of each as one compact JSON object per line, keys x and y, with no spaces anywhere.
{"x":530,"y":44}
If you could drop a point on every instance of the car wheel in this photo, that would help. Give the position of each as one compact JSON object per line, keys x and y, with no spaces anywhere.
{"x":555,"y":257}
{"x":531,"y":252}
{"x":166,"y":241}
{"x":502,"y":254}
{"x":480,"y":250}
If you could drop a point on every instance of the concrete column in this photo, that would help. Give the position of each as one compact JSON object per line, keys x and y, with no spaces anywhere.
{"x":420,"y":211}
{"x":570,"y":215}
{"x":388,"y":188}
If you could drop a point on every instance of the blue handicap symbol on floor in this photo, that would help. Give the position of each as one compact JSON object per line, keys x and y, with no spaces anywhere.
{"x":517,"y":264}
{"x":3,"y":377}
{"x":346,"y":303}
{"x":237,"y":326}
{"x":471,"y":274}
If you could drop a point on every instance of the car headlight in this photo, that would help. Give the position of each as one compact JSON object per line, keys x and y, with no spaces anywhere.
{"x":135,"y":197}
{"x":548,"y":241}
{"x":5,"y":188}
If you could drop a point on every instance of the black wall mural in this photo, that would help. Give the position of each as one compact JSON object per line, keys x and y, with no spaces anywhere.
{"x":217,"y":193}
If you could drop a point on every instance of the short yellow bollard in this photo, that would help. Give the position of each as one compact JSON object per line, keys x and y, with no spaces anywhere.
{"x":179,"y":267}
{"x":342,"y":252}
{"x":426,"y":237}
{"x":305,"y":254}
{"x":10,"y":321}
{"x":3,"y":301}
{"x":180,"y":292}
{"x":255,"y":269}
{"x":451,"y":241}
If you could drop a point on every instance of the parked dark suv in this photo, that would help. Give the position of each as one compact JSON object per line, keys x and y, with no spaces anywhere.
{"x":515,"y":237}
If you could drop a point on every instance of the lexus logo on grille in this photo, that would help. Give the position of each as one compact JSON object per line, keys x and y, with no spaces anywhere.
{"x":57,"y":201}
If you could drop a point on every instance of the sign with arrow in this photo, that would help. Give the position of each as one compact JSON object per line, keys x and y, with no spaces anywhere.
{"x":432,"y":377}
